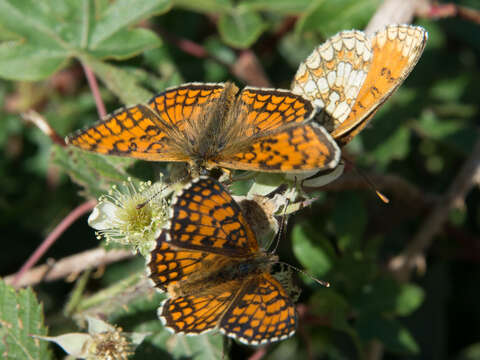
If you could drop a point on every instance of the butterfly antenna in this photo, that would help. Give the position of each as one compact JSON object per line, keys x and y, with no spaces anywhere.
{"x":370,"y":183}
{"x":318,"y":281}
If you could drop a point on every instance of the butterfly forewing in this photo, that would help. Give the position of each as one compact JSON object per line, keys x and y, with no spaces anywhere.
{"x":351,"y":75}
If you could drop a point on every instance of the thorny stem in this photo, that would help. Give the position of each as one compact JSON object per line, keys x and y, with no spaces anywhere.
{"x":54,"y":235}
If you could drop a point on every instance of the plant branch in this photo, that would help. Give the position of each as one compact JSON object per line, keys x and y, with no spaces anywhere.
{"x":451,"y":10}
{"x":52,"y":237}
{"x":395,"y":12}
{"x":391,"y":12}
{"x":393,"y":185}
{"x":92,"y":82}
{"x":468,"y":176}
{"x":73,"y":264}
{"x":42,"y":123}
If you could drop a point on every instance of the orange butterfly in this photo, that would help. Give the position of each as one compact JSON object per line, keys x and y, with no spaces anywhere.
{"x":212,"y":125}
{"x":209,"y":262}
{"x":351,"y":75}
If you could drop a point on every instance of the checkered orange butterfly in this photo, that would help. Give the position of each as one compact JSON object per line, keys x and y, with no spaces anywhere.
{"x":209,"y":262}
{"x":212,"y":125}
{"x":351,"y":75}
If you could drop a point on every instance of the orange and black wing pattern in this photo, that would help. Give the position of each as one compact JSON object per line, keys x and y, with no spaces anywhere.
{"x":206,"y":218}
{"x":134,"y":132}
{"x":187,"y":102}
{"x":261,"y":313}
{"x":196,"y":314}
{"x":351,"y":75}
{"x":396,"y":50}
{"x":276,"y":131}
{"x":295,"y":149}
{"x":148,"y":132}
{"x":208,"y":261}
{"x":168,"y":265}
{"x":261,"y":110}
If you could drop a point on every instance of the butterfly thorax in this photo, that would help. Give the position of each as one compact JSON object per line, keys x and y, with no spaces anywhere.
{"x":205,"y":135}
{"x":215,"y":276}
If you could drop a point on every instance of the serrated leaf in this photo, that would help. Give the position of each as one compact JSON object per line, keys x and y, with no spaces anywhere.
{"x":46,"y":34}
{"x":240,"y":27}
{"x":329,"y":17}
{"x":20,"y":317}
{"x":390,"y":332}
{"x":96,"y":173}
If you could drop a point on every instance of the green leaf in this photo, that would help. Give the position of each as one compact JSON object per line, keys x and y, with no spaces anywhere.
{"x":329,"y":17}
{"x":390,"y":332}
{"x":437,"y":128}
{"x":395,"y":147}
{"x":331,"y":304}
{"x":20,"y":61}
{"x":350,"y":220}
{"x":315,"y":257}
{"x":385,"y":295}
{"x":120,"y":82}
{"x":95,"y":173}
{"x":201,"y":347}
{"x":409,"y":298}
{"x":122,"y":14}
{"x":125,"y":45}
{"x":287,"y":7}
{"x":472,"y":352}
{"x":20,"y":317}
{"x":296,"y":49}
{"x":241,"y":27}
{"x":45,"y":34}
{"x":206,"y":6}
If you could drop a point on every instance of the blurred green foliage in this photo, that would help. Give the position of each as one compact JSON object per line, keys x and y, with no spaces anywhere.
{"x":423,"y":134}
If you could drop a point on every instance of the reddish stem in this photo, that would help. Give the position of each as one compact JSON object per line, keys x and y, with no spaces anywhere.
{"x":453,"y":10}
{"x":92,"y":82}
{"x":259,"y":354}
{"x":53,"y":236}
